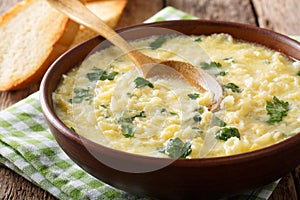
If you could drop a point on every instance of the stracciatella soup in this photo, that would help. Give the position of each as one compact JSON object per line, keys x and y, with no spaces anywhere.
{"x":106,"y":100}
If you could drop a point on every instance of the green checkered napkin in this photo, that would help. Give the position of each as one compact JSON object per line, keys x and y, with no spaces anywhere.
{"x":28,"y":148}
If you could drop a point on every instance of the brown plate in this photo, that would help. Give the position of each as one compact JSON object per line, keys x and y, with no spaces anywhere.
{"x":183,"y":178}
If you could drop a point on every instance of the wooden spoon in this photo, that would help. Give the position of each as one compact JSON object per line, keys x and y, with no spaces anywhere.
{"x":196,"y":76}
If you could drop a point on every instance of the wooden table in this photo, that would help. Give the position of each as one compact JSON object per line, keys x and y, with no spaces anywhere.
{"x":279,"y":15}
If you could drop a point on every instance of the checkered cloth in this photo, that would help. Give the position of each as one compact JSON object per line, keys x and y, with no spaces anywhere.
{"x":28,"y":148}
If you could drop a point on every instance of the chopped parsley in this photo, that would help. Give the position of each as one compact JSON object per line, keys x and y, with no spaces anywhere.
{"x":233,"y":87}
{"x":197,"y":130}
{"x":126,"y":120}
{"x":213,"y":64}
{"x":176,"y":148}
{"x":266,"y":62}
{"x":163,"y":110}
{"x":226,"y":133}
{"x":128,"y":130}
{"x":73,"y":129}
{"x":99,"y":74}
{"x":193,"y":96}
{"x":199,"y":39}
{"x":128,"y":116}
{"x":197,"y":118}
{"x":80,"y":95}
{"x":230,"y":59}
{"x":129,"y":94}
{"x":298,"y":73}
{"x":141,"y":82}
{"x":200,"y":109}
{"x":103,"y":106}
{"x":222,"y":73}
{"x":277,"y":110}
{"x":173,"y":113}
{"x":157,"y":43}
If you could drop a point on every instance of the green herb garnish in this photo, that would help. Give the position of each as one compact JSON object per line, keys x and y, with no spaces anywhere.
{"x":233,"y":87}
{"x":129,"y":94}
{"x":222,"y":73}
{"x":99,"y":74}
{"x":193,"y":96}
{"x":266,"y":62}
{"x":103,"y":106}
{"x":141,"y":82}
{"x":163,"y":110}
{"x":129,"y":115}
{"x":80,"y":95}
{"x":298,"y":73}
{"x":128,"y":130}
{"x":197,"y":118}
{"x":73,"y":129}
{"x":157,"y":43}
{"x":277,"y":110}
{"x":200,"y":109}
{"x":199,"y":39}
{"x":213,"y":64}
{"x":226,"y":133}
{"x":176,"y":148}
{"x":229,"y":59}
{"x":197,"y":129}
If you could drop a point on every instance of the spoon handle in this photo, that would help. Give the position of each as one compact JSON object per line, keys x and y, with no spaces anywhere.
{"x":78,"y":12}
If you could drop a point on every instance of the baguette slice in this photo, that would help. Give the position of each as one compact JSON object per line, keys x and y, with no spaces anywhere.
{"x":109,"y":11}
{"x":33,"y":35}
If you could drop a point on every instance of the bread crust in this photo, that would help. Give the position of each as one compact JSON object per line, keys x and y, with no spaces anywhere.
{"x":59,"y":37}
{"x":59,"y":42}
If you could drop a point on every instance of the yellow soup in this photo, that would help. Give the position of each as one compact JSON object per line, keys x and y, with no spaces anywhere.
{"x":108,"y":101}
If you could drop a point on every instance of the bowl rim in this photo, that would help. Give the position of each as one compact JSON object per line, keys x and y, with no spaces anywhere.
{"x":50,"y":115}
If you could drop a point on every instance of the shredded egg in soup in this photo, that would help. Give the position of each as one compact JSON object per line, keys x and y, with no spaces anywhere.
{"x":108,"y":101}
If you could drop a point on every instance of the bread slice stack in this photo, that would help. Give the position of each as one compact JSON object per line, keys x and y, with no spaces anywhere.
{"x":33,"y":35}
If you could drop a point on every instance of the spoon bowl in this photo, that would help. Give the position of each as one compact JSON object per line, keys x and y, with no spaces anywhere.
{"x":197,"y":77}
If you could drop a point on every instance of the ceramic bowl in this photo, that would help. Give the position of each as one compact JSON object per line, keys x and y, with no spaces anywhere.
{"x":203,"y":178}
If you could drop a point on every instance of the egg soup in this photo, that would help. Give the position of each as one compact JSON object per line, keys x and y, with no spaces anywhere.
{"x":108,"y":101}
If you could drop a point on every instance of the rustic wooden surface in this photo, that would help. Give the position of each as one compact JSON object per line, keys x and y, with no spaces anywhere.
{"x":279,"y":15}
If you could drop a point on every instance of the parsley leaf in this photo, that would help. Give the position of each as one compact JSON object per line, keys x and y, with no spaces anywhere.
{"x":226,"y":133}
{"x":197,"y":118}
{"x":129,"y":115}
{"x":193,"y":96}
{"x":163,"y":110}
{"x":199,"y":39}
{"x":233,"y":87}
{"x":141,"y":82}
{"x":222,"y":73}
{"x":128,"y":130}
{"x":176,"y":148}
{"x":230,"y":59}
{"x":298,"y":73}
{"x":277,"y":110}
{"x":81,"y":94}
{"x":206,"y":65}
{"x":157,"y":43}
{"x":99,"y":74}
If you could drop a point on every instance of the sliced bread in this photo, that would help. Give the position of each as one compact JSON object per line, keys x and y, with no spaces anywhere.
{"x":33,"y":35}
{"x":109,"y":11}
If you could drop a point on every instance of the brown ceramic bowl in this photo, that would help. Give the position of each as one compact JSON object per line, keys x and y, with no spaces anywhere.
{"x":184,"y":178}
